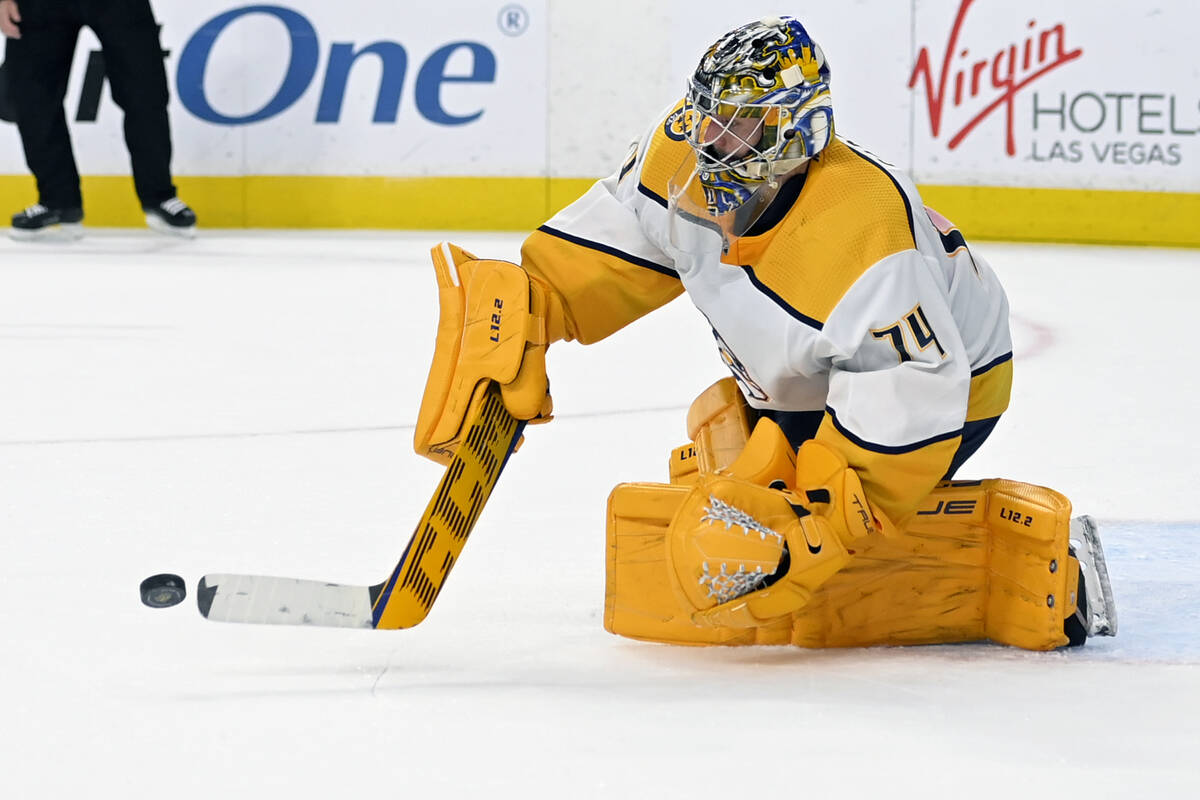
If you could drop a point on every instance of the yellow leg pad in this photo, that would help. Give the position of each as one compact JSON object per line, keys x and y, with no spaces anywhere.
{"x":684,"y":469}
{"x":922,"y":587}
{"x":718,"y":422}
{"x":978,"y":561}
{"x":719,"y":425}
{"x":1032,"y":580}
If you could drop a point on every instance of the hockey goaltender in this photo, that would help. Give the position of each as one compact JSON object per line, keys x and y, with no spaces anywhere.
{"x":871,"y":356}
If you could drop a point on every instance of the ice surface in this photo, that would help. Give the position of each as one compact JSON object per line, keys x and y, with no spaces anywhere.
{"x":244,"y":403}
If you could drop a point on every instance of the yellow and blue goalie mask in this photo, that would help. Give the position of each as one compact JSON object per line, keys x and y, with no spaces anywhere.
{"x":757,"y":109}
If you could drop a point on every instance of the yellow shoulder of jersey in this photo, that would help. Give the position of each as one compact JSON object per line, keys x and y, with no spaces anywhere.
{"x":850,"y":214}
{"x":666,"y":153}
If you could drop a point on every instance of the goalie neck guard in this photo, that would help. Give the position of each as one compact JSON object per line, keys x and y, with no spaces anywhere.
{"x":758,"y":108}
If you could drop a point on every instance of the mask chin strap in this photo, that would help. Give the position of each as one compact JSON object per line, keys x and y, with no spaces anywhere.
{"x":769,"y":171}
{"x":761,"y":170}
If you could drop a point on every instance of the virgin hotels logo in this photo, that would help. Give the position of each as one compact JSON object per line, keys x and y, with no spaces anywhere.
{"x":984,"y":85}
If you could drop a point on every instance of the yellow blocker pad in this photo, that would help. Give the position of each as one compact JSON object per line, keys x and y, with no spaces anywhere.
{"x":980,"y":560}
{"x":495,"y":324}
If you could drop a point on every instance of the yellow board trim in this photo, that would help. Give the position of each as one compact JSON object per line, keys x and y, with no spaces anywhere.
{"x":1092,"y":216}
{"x":521,"y":204}
{"x":296,"y":201}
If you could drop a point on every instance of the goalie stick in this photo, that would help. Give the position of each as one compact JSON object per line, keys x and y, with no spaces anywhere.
{"x":404,"y":599}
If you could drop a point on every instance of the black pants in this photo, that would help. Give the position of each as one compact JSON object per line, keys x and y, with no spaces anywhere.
{"x":38,"y":66}
{"x":800,"y":426}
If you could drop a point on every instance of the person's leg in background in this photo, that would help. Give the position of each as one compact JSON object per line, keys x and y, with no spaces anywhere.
{"x":133,"y":58}
{"x":38,"y":65}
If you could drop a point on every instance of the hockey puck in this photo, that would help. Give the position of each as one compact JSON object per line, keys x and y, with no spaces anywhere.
{"x":163,"y":591}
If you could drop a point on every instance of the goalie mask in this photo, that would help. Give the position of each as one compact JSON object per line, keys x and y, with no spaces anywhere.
{"x":757,"y":108}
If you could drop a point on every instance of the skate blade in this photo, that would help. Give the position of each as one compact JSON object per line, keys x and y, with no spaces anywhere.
{"x":154,"y":222}
{"x":63,"y":232}
{"x":1102,"y":609}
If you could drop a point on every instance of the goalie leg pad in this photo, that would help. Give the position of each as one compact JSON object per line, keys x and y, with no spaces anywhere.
{"x":1032,"y":583}
{"x":979,"y":560}
{"x":719,"y":424}
{"x":967,"y":568}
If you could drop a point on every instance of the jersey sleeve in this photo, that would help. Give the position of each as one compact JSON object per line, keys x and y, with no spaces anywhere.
{"x":598,"y":258}
{"x":899,"y":380}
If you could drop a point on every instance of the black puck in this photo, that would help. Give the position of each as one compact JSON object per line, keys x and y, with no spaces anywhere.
{"x":163,"y":591}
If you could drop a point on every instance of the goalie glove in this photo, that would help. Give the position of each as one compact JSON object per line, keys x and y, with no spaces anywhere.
{"x":744,"y":555}
{"x":495,"y":324}
{"x":742,"y":548}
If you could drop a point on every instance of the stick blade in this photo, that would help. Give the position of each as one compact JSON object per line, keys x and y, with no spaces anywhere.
{"x":404,"y":599}
{"x":265,"y":600}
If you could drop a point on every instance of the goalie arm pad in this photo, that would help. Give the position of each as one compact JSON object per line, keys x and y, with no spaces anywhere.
{"x":596,"y":256}
{"x":495,"y":323}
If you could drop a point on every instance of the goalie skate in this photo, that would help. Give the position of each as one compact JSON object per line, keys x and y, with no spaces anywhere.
{"x":1097,"y":612}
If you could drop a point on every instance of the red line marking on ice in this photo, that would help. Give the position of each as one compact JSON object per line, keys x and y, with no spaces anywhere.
{"x":1042,"y":336}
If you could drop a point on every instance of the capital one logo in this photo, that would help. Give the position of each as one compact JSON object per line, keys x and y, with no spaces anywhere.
{"x":983,"y":86}
{"x":304,"y":59}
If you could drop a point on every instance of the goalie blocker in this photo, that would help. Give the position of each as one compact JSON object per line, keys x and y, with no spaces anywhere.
{"x":495,"y":323}
{"x":728,"y":553}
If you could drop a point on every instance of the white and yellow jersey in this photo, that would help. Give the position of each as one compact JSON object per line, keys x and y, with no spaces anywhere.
{"x":858,"y":302}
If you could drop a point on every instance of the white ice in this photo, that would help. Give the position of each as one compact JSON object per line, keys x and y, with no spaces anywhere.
{"x":244,"y":403}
